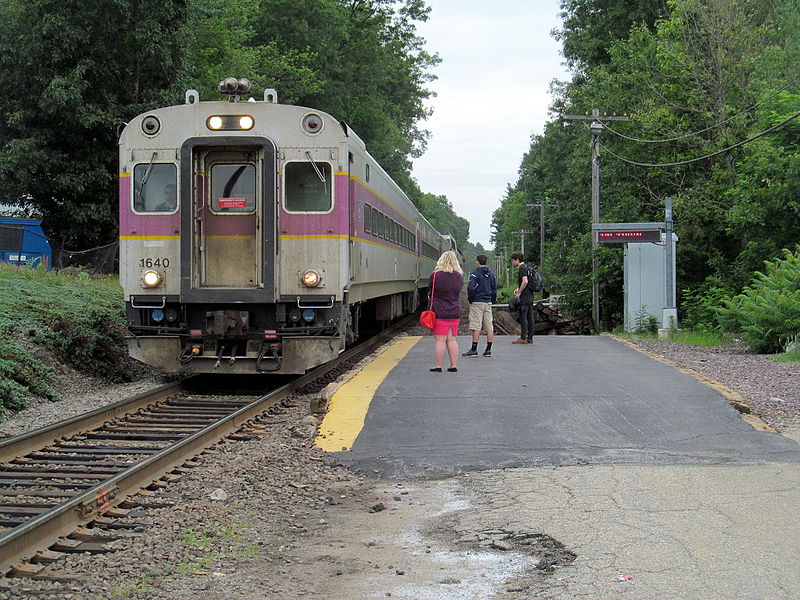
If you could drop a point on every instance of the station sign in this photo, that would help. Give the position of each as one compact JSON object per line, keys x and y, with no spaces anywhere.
{"x":626,"y":237}
{"x":626,"y":233}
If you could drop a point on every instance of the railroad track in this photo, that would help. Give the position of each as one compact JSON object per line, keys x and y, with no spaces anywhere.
{"x":56,"y":481}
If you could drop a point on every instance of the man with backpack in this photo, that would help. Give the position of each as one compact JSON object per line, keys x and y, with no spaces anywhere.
{"x":528,"y":281}
{"x":481,"y":293}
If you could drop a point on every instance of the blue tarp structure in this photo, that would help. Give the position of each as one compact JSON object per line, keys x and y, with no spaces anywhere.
{"x":22,"y":241}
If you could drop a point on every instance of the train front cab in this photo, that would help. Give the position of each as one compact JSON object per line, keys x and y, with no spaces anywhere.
{"x":229,"y":314}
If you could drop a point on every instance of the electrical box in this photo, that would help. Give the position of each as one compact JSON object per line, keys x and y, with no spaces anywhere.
{"x":646,"y":284}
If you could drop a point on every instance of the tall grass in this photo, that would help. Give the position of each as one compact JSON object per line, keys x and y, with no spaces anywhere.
{"x":696,"y":338}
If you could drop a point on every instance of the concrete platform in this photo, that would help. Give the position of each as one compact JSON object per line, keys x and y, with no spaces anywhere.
{"x":564,"y":400}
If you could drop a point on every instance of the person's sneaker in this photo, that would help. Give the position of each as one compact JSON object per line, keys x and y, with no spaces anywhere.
{"x":520,"y":341}
{"x":470,"y":353}
{"x":487,"y":352}
{"x":530,"y":340}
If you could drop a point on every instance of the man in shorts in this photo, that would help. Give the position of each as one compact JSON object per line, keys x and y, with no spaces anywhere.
{"x":481,"y":293}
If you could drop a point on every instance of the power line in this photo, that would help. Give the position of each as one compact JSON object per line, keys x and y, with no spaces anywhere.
{"x":697,"y":133}
{"x":691,"y":160}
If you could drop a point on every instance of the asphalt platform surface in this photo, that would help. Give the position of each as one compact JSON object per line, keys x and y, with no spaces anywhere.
{"x":564,"y":400}
{"x":651,"y":479}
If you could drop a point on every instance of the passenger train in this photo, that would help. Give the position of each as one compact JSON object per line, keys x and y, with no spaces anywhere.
{"x":258,"y":237}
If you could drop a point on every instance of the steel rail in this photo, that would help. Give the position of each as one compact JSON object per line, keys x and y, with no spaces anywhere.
{"x":25,"y":443}
{"x":38,"y":533}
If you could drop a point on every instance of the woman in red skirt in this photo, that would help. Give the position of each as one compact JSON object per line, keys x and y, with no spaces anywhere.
{"x":446,"y":282}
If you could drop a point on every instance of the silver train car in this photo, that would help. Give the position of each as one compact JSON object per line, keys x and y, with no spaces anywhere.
{"x":257,"y":237}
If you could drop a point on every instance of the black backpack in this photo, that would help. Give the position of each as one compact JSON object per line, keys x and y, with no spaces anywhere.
{"x":534,"y":279}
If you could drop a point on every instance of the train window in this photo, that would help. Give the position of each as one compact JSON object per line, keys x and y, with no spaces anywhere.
{"x":233,"y":188}
{"x":367,"y":218}
{"x":308,"y":186}
{"x":367,"y":173}
{"x":155,"y":188}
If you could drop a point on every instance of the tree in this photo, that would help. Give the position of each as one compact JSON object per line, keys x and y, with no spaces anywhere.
{"x":702,"y":75}
{"x":219,"y":38}
{"x":439,"y":211}
{"x":73,"y":78}
{"x":591,"y":26}
{"x":372,"y":65}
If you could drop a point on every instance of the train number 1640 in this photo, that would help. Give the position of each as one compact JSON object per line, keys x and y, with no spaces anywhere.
{"x":154,"y":262}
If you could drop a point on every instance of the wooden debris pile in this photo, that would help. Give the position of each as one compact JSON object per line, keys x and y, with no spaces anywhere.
{"x":549,"y":321}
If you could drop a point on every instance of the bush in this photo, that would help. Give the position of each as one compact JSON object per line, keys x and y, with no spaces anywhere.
{"x":767,"y":312}
{"x":646,"y":324}
{"x":700,"y":305}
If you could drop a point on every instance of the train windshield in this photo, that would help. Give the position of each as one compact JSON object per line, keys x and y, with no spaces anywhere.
{"x":308,"y":187}
{"x":155,"y":187}
{"x":233,"y":188}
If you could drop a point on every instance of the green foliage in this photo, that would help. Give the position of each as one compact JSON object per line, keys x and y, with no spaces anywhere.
{"x":439,"y":211}
{"x":85,"y":71}
{"x":76,"y":319}
{"x":221,"y":41}
{"x":88,"y":69}
{"x":696,"y":338}
{"x":645,"y":323}
{"x":720,"y":68}
{"x":791,"y":351}
{"x":701,"y":303}
{"x":767,"y":312}
{"x":590,"y":27}
{"x":20,"y":375}
{"x":371,"y":65}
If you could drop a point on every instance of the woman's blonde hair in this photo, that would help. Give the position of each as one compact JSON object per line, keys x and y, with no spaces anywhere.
{"x":448,"y":261}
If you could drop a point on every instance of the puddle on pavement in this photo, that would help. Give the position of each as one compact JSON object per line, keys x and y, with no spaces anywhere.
{"x":415,"y":549}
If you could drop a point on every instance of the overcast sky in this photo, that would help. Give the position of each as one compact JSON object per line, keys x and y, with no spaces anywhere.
{"x":498,"y":59}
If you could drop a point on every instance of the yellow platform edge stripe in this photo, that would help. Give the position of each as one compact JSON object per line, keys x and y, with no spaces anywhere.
{"x":348,"y":406}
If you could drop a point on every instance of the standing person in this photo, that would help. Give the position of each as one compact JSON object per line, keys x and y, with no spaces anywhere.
{"x":481,"y":293}
{"x":446,"y":283}
{"x":523,"y":293}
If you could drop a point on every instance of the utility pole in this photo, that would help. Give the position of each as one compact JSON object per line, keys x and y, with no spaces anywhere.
{"x":596,"y":128}
{"x":541,"y":206}
{"x":523,"y":239}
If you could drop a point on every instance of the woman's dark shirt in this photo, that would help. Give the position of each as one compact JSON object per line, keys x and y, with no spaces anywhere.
{"x":446,"y":294}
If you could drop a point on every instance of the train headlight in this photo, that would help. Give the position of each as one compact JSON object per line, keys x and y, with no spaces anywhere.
{"x":312,"y":278}
{"x":230,"y":122}
{"x":151,"y":278}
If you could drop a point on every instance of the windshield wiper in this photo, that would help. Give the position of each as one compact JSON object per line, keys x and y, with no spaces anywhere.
{"x":145,"y":177}
{"x":316,"y":168}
